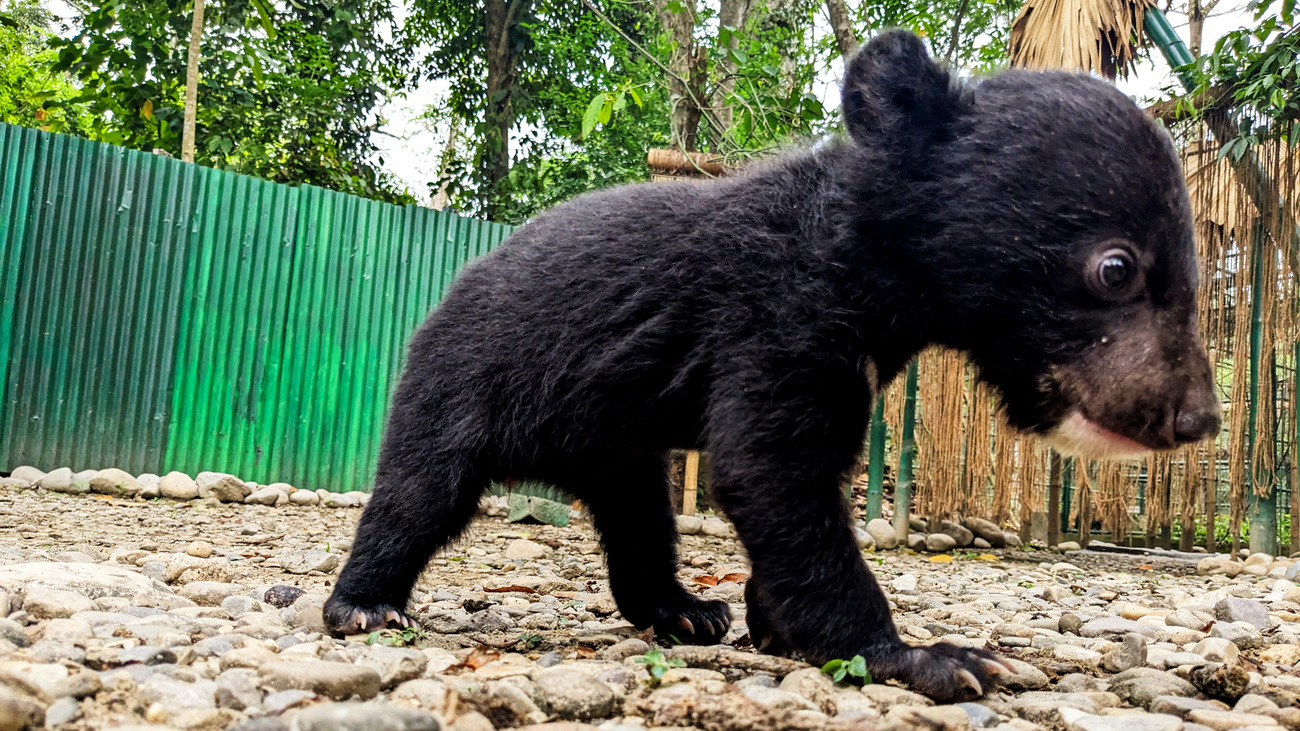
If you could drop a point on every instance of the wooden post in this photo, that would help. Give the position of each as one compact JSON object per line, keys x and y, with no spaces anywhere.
{"x":690,"y":482}
{"x":1054,"y":500}
{"x":1211,"y":495}
{"x":1166,"y":495}
{"x":1187,"y":518}
{"x":1085,"y":511}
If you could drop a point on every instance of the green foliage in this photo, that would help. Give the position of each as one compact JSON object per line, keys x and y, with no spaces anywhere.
{"x":287,"y":92}
{"x":657,"y":664}
{"x":1261,"y":67}
{"x":406,"y":637}
{"x":586,"y":96}
{"x":31,"y":93}
{"x":855,"y":668}
{"x":567,"y":63}
{"x":1223,"y":531}
{"x":982,"y":40}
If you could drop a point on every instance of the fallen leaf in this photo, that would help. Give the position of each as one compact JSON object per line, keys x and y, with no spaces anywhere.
{"x":648,"y":635}
{"x":480,"y":656}
{"x":513,"y":587}
{"x":584,"y":653}
{"x":1145,"y":567}
{"x":986,"y":557}
{"x":737,"y":578}
{"x":941,"y":558}
{"x":706,"y":580}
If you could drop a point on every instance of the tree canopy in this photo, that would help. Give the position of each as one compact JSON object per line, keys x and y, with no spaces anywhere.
{"x":544,"y":98}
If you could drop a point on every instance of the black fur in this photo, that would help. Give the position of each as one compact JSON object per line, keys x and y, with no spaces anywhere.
{"x":744,"y":316}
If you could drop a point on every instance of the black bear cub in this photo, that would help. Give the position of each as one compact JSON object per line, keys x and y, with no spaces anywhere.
{"x":1037,"y":221}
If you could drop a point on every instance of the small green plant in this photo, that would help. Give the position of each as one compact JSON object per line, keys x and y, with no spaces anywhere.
{"x":405,"y":637}
{"x":965,"y":555}
{"x":657,"y":664}
{"x":531,"y":641}
{"x":855,"y":668}
{"x":1025,"y":584}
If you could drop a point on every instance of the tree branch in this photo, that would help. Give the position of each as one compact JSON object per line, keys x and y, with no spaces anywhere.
{"x":956,"y":31}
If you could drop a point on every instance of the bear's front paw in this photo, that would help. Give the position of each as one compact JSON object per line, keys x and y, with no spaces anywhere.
{"x":945,"y":672}
{"x":344,"y":618}
{"x":693,"y":621}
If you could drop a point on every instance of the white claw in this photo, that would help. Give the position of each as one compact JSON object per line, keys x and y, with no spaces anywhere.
{"x":686,"y":625}
{"x":997,"y":667}
{"x":971,"y":680}
{"x":363,"y":621}
{"x":392,"y":616}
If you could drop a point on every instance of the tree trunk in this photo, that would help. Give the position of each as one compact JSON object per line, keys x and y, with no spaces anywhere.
{"x":441,"y":198}
{"x":732,"y":14}
{"x":192,"y":84}
{"x":501,"y":18}
{"x":955,"y":39}
{"x":846,"y":39}
{"x":684,"y":66}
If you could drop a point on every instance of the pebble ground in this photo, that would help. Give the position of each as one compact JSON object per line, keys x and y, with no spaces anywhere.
{"x":201,"y":614}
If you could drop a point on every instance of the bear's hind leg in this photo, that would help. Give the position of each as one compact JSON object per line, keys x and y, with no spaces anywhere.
{"x":629,"y":504}
{"x":412,"y":513}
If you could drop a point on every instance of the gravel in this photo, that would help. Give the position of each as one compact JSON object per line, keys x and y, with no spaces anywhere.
{"x":203,"y":612}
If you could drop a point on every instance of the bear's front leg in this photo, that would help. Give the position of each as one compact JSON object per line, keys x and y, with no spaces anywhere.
{"x":777,"y":466}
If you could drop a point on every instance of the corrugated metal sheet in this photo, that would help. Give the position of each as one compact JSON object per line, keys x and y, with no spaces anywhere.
{"x":156,"y":315}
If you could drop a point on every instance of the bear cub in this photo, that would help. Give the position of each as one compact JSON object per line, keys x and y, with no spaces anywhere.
{"x":1037,"y":221}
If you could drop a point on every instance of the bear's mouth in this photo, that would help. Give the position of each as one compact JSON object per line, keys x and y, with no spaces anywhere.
{"x":1078,"y":436}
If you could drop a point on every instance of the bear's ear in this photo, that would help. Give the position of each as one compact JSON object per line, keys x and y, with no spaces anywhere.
{"x":895,"y":94}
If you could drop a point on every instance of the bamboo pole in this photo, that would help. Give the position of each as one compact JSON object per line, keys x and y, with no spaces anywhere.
{"x":903,"y":490}
{"x":1262,"y":510}
{"x":876,"y":460}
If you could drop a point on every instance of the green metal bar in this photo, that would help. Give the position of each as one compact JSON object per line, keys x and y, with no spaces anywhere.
{"x":903,"y":491}
{"x":1261,"y":511}
{"x":1166,"y":39}
{"x":1295,"y":478}
{"x":876,"y":460}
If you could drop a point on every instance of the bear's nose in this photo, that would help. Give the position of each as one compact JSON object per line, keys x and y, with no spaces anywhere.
{"x":1196,"y":423}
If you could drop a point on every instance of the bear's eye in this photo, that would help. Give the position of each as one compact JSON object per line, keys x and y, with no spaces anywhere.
{"x":1115,"y":271}
{"x":1114,"y":274}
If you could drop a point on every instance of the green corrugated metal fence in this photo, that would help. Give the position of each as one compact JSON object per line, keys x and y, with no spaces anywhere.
{"x":157,"y":316}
